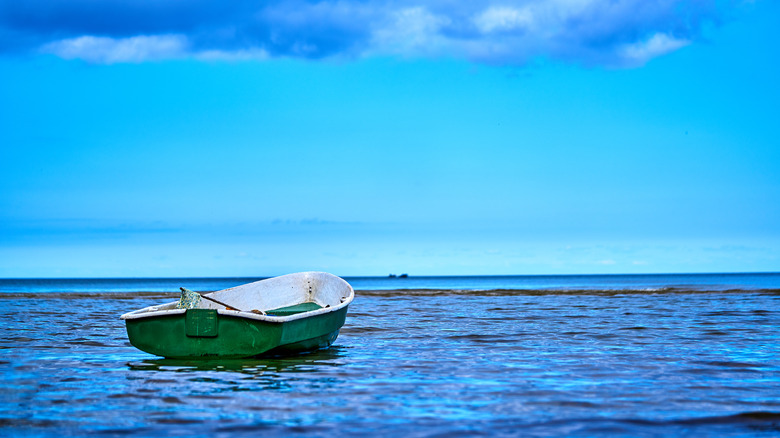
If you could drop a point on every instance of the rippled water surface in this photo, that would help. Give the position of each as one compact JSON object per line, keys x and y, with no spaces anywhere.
{"x":647,"y":282}
{"x":419,"y":364}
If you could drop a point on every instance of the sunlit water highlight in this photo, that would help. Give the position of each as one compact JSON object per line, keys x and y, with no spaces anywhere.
{"x":530,"y":363}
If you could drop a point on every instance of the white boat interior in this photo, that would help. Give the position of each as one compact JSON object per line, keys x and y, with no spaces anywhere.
{"x":280,"y":298}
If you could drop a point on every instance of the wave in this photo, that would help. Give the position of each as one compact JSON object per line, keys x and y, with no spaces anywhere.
{"x":544,"y":292}
{"x":88,"y":295}
{"x":130,"y":295}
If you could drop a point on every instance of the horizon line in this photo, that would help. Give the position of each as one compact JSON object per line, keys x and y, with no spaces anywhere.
{"x":400,"y":278}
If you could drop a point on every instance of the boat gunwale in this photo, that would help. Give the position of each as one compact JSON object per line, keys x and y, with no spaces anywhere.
{"x":146,"y":313}
{"x":142,"y":313}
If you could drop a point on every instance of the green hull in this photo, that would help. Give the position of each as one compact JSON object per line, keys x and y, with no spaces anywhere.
{"x":205,"y":333}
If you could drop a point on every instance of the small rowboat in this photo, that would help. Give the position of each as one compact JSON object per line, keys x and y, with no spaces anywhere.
{"x":282,"y":315}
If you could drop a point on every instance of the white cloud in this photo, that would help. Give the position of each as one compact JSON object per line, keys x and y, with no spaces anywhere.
{"x":596,"y":32}
{"x":103,"y":50}
{"x":411,"y":31}
{"x":235,"y":55}
{"x":659,"y":44}
{"x":503,"y":19}
{"x":106,"y":50}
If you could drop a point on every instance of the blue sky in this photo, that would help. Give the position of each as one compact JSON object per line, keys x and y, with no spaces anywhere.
{"x":190,"y":138}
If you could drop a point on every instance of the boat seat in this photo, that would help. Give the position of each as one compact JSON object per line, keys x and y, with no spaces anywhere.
{"x":292,"y":310}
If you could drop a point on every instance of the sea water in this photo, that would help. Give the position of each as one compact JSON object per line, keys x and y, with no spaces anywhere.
{"x":686,"y":355}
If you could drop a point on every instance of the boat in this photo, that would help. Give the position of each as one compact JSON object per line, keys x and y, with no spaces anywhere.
{"x":283,"y":315}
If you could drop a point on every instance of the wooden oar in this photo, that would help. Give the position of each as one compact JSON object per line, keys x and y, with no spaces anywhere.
{"x":227,"y":307}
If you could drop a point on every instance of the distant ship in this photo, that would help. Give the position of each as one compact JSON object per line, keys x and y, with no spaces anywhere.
{"x":398,"y":276}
